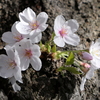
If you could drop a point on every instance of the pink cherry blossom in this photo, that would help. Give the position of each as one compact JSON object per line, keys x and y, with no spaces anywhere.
{"x":12,"y":37}
{"x":10,"y":64}
{"x":64,"y":31}
{"x":29,"y":54}
{"x":30,"y":23}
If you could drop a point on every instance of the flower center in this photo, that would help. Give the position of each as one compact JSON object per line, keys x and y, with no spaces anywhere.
{"x":18,"y":38}
{"x":34,"y":25}
{"x":28,"y":53}
{"x":62,"y":32}
{"x":12,"y":64}
{"x":96,"y":52}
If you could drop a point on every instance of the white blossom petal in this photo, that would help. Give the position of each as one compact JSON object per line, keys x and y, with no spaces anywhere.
{"x":82,"y":83}
{"x":6,"y":72}
{"x":10,"y":51}
{"x":8,"y":37}
{"x":36,"y":63}
{"x":3,"y":60}
{"x":73,"y":24}
{"x":13,"y":28}
{"x":72,"y":39}
{"x":12,"y":80}
{"x":34,"y":33}
{"x":27,"y":16}
{"x":36,"y":39}
{"x":24,"y":63}
{"x":36,"y":50}
{"x":42,"y":18}
{"x":18,"y":75}
{"x":59,"y":41}
{"x":90,"y":73}
{"x":42,"y":27}
{"x":16,"y":87}
{"x":23,"y":29}
{"x":58,"y":23}
{"x":31,"y":15}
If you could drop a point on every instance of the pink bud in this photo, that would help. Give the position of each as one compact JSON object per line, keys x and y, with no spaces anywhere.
{"x":86,"y":56}
{"x":86,"y":65}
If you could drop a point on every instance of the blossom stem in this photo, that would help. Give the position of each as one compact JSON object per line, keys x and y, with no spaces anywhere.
{"x":77,"y":51}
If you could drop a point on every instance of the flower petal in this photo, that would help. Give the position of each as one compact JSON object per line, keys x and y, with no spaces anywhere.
{"x":24,"y":63}
{"x":16,"y":87}
{"x":10,"y":52}
{"x":23,"y":29}
{"x":35,"y":33}
{"x":36,"y":50}
{"x":14,"y":84}
{"x":90,"y":73}
{"x":58,"y":23}
{"x":59,"y":41}
{"x":72,"y":39}
{"x":27,"y":16}
{"x":41,"y":28}
{"x":42,"y":18}
{"x":12,"y":80}
{"x":8,"y":38}
{"x":23,"y":18}
{"x":3,"y":60}
{"x":6,"y":72}
{"x":31,"y":15}
{"x":13,"y":28}
{"x":18,"y":75}
{"x":73,"y":24}
{"x":36,"y":39}
{"x":82,"y":83}
{"x":36,"y":63}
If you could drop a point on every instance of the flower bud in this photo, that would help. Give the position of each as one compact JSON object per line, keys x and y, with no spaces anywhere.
{"x":86,"y":65}
{"x":86,"y":56}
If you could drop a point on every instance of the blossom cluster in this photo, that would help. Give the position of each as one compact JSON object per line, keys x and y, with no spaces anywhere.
{"x":22,"y":47}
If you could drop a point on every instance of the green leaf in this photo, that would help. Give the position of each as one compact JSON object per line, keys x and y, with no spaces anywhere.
{"x":70,"y":59}
{"x":73,"y":70}
{"x":70,"y":69}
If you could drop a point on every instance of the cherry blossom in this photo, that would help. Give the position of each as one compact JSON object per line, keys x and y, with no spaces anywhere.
{"x":29,"y":54}
{"x":12,"y":37}
{"x":30,"y":23}
{"x":64,"y":31}
{"x":95,"y":52}
{"x":10,"y":65}
{"x":95,"y":62}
